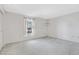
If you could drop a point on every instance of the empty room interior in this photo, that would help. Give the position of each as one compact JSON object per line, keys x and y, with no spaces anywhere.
{"x":39,"y":29}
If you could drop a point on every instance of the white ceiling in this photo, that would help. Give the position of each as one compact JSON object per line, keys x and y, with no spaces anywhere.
{"x":42,"y":10}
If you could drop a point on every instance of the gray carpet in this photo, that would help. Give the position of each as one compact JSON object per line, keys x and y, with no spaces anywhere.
{"x":42,"y":46}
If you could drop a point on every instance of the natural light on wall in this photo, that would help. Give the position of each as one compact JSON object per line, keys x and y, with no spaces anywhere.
{"x":28,"y":26}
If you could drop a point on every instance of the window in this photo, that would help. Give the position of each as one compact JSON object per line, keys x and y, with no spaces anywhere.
{"x":28,"y":24}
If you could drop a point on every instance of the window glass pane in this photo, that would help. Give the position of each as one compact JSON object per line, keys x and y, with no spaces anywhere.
{"x":28,"y":26}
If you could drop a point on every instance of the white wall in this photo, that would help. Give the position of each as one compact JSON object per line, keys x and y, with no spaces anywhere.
{"x":1,"y":40}
{"x":40,"y":28}
{"x":13,"y":27}
{"x":65,"y":27}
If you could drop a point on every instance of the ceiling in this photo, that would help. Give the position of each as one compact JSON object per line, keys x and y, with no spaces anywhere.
{"x":42,"y":10}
